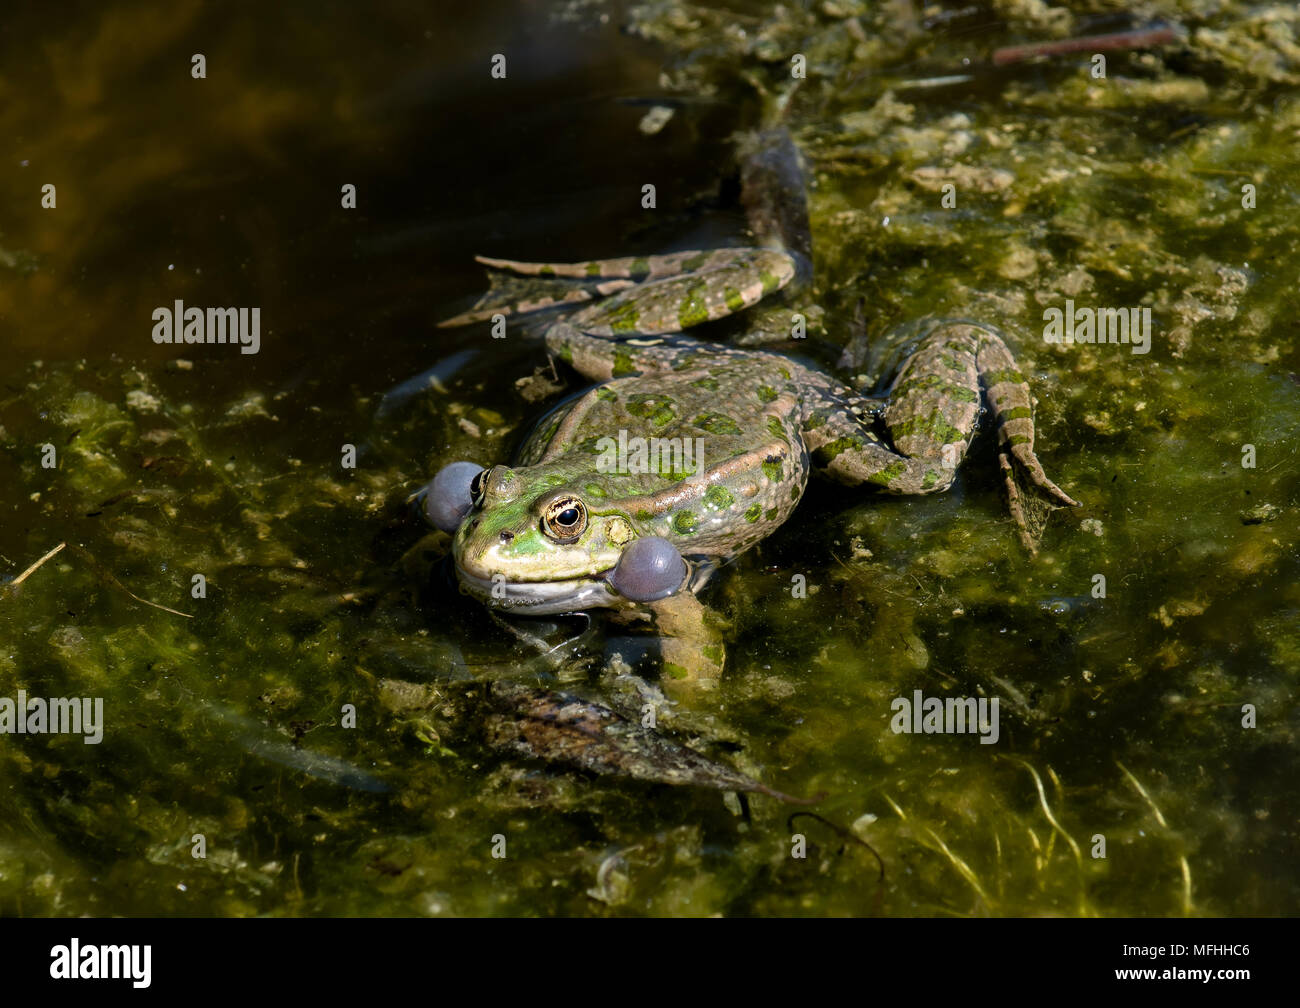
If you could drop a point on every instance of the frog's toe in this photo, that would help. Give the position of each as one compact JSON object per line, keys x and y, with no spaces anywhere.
{"x":649,"y":569}
{"x":1022,"y":454}
{"x":445,"y":499}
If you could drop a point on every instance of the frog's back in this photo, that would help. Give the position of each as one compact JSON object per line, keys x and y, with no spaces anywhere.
{"x":708,"y":456}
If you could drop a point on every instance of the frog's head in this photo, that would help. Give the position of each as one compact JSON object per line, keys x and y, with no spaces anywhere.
{"x":527,"y":539}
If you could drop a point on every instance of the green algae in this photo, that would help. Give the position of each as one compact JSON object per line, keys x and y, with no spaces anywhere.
{"x":1121,"y":715}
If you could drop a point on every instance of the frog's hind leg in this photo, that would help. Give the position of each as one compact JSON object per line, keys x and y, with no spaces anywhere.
{"x":705,"y":286}
{"x":637,"y":331}
{"x":655,"y":294}
{"x":1008,"y":393}
{"x":634,"y":269}
{"x":601,"y":277}
{"x":596,"y":285}
{"x":600,"y":358}
{"x":933,"y":413}
{"x":523,"y":306}
{"x":844,"y":446}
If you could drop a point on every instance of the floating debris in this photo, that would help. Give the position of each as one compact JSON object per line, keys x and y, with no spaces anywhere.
{"x":656,"y":119}
{"x":561,"y":728}
{"x":1260,"y":514}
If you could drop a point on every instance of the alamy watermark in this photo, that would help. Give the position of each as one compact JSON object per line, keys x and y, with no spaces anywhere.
{"x":181,"y":325}
{"x":922,"y":715}
{"x":55,"y":716}
{"x":637,"y":455}
{"x":1099,"y":325}
{"x":75,"y":961}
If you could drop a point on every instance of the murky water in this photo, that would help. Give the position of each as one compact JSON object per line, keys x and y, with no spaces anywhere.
{"x":308,"y":725}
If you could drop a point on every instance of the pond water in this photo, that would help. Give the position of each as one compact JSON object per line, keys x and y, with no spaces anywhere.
{"x":297,"y":733}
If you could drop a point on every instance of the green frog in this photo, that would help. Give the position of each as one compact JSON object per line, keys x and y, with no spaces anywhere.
{"x":686,"y":454}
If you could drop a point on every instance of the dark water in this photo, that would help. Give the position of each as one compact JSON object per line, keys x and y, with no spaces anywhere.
{"x":1122,"y":716}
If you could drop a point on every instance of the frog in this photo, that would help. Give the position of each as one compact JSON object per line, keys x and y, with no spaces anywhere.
{"x":685,"y":454}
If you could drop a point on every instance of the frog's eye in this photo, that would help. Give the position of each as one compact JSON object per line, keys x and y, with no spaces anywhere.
{"x":476,"y":488}
{"x":564,"y":519}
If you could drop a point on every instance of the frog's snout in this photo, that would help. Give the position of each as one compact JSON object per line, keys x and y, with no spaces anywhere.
{"x":446,"y":499}
{"x":649,"y":569}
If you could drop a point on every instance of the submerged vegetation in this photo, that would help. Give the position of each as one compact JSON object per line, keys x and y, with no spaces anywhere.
{"x":318,"y":708}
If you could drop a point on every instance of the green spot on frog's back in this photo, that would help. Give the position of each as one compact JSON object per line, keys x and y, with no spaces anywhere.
{"x":772,"y":471}
{"x":659,"y":410}
{"x":752,"y":512}
{"x":684,"y":523}
{"x":717,"y":423}
{"x":718,"y":497}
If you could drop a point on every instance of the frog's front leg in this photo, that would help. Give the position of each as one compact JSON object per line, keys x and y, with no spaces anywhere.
{"x":931,"y":417}
{"x":691,"y":643}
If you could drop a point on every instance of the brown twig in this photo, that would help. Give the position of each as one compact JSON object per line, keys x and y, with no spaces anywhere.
{"x":1142,"y":38}
{"x":34,"y":567}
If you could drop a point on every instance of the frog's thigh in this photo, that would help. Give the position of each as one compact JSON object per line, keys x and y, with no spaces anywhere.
{"x":934,"y":403}
{"x":849,"y":453}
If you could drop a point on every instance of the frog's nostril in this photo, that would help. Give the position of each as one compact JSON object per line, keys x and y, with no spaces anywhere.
{"x":507,"y":536}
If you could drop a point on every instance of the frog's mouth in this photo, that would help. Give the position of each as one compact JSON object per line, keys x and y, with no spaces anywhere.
{"x":542,"y":598}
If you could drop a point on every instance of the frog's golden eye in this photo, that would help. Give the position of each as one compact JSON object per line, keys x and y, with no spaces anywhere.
{"x":564,"y":519}
{"x":476,"y":488}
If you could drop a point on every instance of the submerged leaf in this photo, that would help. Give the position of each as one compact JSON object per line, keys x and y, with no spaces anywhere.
{"x":562,"y":728}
